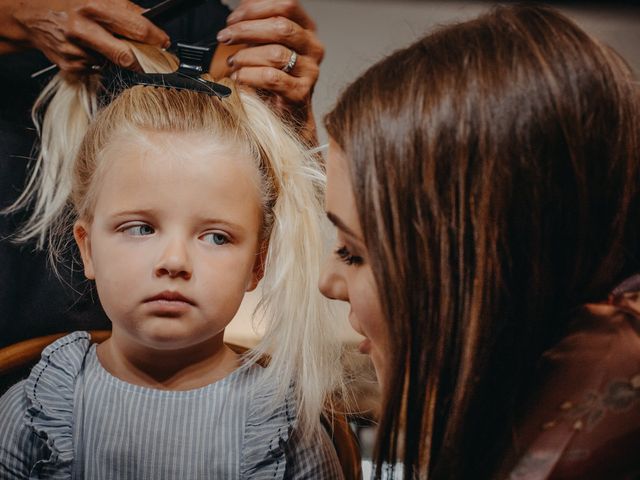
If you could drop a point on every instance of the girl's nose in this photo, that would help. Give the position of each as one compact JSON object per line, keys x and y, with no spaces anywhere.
{"x":331,"y":283}
{"x":175,"y":261}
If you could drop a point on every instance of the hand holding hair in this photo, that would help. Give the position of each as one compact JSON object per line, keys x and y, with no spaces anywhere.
{"x":74,"y":34}
{"x":283,"y":56}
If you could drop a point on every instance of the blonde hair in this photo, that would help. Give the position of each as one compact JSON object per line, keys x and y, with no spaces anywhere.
{"x":300,"y":339}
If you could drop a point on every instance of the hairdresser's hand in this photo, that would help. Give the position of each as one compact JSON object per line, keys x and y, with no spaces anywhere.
{"x":76,"y":34}
{"x":273,"y":30}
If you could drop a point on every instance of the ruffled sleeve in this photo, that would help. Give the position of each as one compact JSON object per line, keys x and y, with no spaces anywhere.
{"x":50,"y":395}
{"x":311,"y":457}
{"x":275,"y":449}
{"x":20,"y":448}
{"x":267,"y":431}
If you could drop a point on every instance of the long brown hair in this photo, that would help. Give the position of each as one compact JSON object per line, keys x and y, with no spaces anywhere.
{"x":495,"y":169}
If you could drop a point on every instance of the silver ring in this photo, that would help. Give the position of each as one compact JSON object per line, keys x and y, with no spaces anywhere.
{"x":96,"y":68}
{"x":291,"y":63}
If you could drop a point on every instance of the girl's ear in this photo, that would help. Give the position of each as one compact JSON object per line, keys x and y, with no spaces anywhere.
{"x":81,"y":234}
{"x":258,"y":267}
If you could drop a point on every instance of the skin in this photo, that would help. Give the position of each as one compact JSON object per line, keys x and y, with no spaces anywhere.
{"x":181,"y":218}
{"x":270,"y":31}
{"x":274,"y":29}
{"x":347,"y":275}
{"x":75,"y":34}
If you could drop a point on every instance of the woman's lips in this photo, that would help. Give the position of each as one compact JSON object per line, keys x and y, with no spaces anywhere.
{"x":365,"y":346}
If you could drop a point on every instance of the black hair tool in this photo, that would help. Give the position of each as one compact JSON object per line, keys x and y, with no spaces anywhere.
{"x":194,"y":61}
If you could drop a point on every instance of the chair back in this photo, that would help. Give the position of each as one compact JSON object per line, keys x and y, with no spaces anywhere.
{"x":17,"y":359}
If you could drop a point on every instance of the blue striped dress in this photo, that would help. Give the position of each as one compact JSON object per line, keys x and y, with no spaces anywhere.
{"x":71,"y":419}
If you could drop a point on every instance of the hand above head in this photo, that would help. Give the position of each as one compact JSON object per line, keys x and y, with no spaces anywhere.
{"x":76,"y":34}
{"x":282,"y":55}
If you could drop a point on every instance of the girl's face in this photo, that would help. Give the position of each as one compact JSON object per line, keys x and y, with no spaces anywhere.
{"x":347,"y":275}
{"x":173,"y":242}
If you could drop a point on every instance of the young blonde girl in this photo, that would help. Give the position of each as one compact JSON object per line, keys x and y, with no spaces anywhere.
{"x":180,"y":202}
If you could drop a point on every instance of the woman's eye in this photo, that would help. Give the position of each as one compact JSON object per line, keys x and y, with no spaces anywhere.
{"x":139,"y":230}
{"x":215,"y":238}
{"x":345,"y":255}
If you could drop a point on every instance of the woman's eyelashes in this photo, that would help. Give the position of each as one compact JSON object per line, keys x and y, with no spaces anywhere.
{"x":345,"y":255}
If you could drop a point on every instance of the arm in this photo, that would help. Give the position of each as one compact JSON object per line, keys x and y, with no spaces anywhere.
{"x":73,"y":34}
{"x":273,"y":30}
{"x":20,"y":448}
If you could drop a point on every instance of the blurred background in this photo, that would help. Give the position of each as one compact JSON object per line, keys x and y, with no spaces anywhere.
{"x":357,"y":33}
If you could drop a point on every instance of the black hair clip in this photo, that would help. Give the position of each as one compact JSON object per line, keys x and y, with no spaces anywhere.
{"x":194,"y":61}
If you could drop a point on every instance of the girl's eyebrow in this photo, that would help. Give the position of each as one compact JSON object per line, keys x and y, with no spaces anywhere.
{"x":333,"y":218}
{"x":127,"y":213}
{"x":213,"y":220}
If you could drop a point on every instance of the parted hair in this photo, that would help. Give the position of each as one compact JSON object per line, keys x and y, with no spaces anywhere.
{"x":75,"y":128}
{"x":495,"y":165}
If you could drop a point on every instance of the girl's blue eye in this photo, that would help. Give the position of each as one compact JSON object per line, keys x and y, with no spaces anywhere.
{"x":139,"y":230}
{"x":215,"y":238}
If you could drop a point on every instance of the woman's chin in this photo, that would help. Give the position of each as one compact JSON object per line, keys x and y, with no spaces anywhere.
{"x":379,"y":366}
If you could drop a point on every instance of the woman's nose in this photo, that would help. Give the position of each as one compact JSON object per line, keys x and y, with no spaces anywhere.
{"x":175,"y":261}
{"x":331,"y":283}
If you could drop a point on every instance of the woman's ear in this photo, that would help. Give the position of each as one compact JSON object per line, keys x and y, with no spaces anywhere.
{"x":258,"y":267}
{"x":81,"y":234}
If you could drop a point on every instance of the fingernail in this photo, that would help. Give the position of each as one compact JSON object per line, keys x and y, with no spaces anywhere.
{"x":167,"y":44}
{"x":234,"y":76}
{"x":233,"y":17}
{"x":224,"y":36}
{"x":230,"y":61}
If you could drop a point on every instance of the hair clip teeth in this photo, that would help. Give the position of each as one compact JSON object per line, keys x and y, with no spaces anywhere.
{"x":194,"y":61}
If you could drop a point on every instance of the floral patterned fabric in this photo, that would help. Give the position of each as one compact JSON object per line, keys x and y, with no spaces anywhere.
{"x":585,"y":420}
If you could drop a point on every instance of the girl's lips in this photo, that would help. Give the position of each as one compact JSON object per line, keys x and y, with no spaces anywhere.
{"x":169,"y":303}
{"x":170,"y":296}
{"x":365,"y":346}
{"x":168,"y":307}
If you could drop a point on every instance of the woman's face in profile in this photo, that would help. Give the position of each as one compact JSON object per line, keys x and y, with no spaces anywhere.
{"x":347,"y":274}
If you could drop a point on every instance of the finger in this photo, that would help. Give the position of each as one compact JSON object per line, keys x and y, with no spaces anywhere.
{"x":260,"y":9}
{"x":127,"y":22}
{"x":293,"y":89}
{"x":85,"y":58}
{"x":65,"y":48}
{"x":70,"y":64}
{"x":276,"y":56}
{"x":95,"y":37}
{"x":54,"y":39}
{"x":219,"y":67}
{"x":273,"y":30}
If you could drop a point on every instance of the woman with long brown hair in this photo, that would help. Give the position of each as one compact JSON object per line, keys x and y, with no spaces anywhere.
{"x":485,"y":185}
